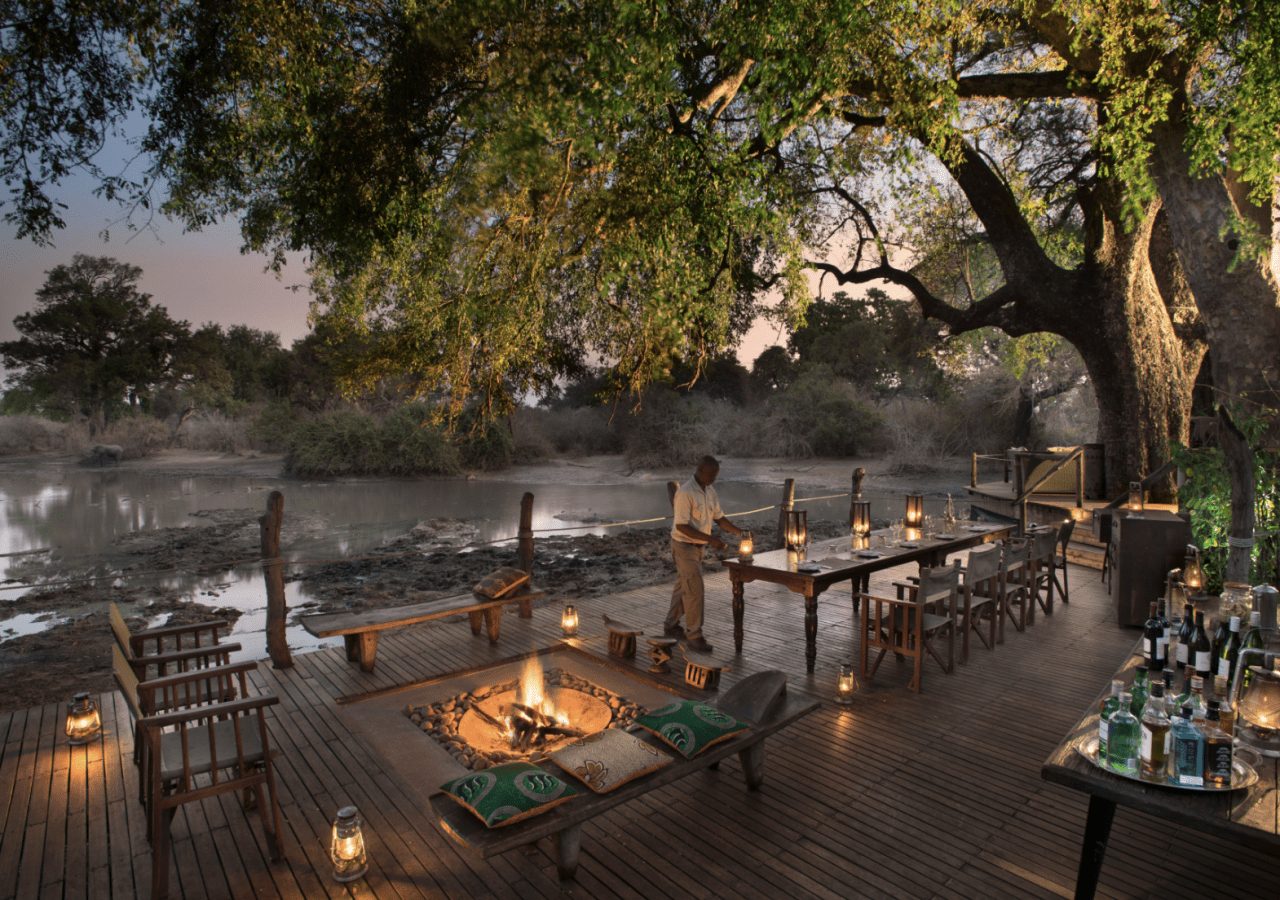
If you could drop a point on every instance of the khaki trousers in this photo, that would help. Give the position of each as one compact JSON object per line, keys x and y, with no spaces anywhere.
{"x":687,"y":596}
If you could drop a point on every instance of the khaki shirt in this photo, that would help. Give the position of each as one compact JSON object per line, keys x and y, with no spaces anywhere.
{"x":697,"y":507}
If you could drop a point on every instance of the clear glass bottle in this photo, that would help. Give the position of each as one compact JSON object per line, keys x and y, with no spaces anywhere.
{"x":1226,"y":710}
{"x":1196,"y":701}
{"x":1188,"y":673}
{"x":1153,"y":745}
{"x":1186,"y":762}
{"x":1140,"y":691}
{"x":1123,"y":738}
{"x":1217,"y":750}
{"x":1105,"y":710}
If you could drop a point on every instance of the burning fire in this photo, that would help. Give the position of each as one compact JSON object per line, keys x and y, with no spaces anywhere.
{"x":533,"y":708}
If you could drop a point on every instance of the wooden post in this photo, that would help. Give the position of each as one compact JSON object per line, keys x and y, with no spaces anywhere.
{"x":273,"y":575}
{"x":855,"y":492}
{"x":525,"y":545}
{"x":672,"y":488}
{"x":788,"y":502}
{"x":1079,"y":477}
{"x":973,"y":470}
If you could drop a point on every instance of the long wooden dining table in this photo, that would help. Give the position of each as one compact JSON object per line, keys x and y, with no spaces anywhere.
{"x":840,"y":561}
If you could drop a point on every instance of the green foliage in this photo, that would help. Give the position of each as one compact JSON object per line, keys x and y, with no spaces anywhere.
{"x":347,"y":442}
{"x":1207,"y":494}
{"x":831,"y":416}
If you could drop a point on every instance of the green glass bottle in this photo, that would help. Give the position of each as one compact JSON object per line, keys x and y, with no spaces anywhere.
{"x":1252,"y":640}
{"x":1109,"y":706}
{"x":1123,"y":739}
{"x":1140,"y":690}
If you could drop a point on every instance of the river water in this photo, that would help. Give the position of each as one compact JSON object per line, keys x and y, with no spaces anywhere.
{"x":77,"y":513}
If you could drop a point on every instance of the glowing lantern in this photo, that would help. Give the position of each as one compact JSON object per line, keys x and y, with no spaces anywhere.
{"x":1192,"y":574}
{"x":347,"y":851}
{"x":84,"y":722}
{"x":746,"y":546}
{"x":1259,"y":710}
{"x":915,"y":511}
{"x":860,"y":518}
{"x":569,"y":621}
{"x":846,"y":684}
{"x":797,"y":530}
{"x":1135,"y":496}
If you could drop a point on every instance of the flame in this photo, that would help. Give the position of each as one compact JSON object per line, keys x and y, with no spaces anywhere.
{"x":532,"y":692}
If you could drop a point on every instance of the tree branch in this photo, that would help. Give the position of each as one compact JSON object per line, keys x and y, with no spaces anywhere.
{"x":1059,"y":83}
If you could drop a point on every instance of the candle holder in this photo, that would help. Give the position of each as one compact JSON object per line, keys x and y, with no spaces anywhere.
{"x":1192,"y":574}
{"x":1259,"y":706}
{"x":846,"y":684}
{"x":746,"y":546}
{"x":860,"y":518}
{"x":797,"y":530}
{"x":569,"y":621}
{"x":914,"y":516}
{"x":346,"y":850}
{"x":84,"y":721}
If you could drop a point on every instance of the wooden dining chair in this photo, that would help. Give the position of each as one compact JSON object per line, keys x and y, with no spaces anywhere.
{"x":982,"y":597}
{"x":908,"y":624}
{"x":1065,"y":530}
{"x":1044,"y":555}
{"x":202,"y":750}
{"x":1019,"y":607}
{"x":168,"y":650}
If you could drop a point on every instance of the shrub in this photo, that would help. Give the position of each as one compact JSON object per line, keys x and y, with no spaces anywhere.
{"x":33,"y":434}
{"x":668,"y":430}
{"x":139,"y":435}
{"x":272,"y":428}
{"x":820,"y":415}
{"x":213,"y":431}
{"x":348,"y":442}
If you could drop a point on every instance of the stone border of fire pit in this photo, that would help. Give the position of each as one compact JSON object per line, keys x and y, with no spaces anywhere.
{"x":440,"y":720}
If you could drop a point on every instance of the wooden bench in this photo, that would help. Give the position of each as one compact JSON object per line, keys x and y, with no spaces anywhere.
{"x":760,"y":699}
{"x":360,"y":629}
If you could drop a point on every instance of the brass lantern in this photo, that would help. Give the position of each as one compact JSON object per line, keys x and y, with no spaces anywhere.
{"x":746,"y":546}
{"x":1135,"y":496}
{"x":797,"y":530}
{"x":346,"y":850}
{"x":569,"y":621}
{"x":914,"y":517}
{"x":1259,"y":711}
{"x":84,"y":721}
{"x":846,"y":684}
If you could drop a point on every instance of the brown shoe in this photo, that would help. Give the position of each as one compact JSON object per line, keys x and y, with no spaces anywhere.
{"x":675,"y":631}
{"x":699,"y":643}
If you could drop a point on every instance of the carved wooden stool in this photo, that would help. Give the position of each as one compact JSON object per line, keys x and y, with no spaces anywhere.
{"x":660,"y":652}
{"x":622,"y":638}
{"x":703,"y":673}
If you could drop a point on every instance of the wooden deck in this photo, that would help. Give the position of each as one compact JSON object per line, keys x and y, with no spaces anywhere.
{"x":937,"y":795}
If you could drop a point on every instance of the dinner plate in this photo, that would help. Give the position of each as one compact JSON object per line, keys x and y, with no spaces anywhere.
{"x":975,"y":528}
{"x":945,"y":537}
{"x":868,"y":554}
{"x":909,"y":545}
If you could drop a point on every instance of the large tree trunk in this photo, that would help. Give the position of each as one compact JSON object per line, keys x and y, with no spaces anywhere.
{"x":1142,"y":372}
{"x":1239,"y":302}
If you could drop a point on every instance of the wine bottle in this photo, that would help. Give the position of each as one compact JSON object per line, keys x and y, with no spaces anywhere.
{"x":1153,"y":749}
{"x":1252,"y":640}
{"x":1201,"y":649}
{"x":1230,"y":650}
{"x":1218,"y":637}
{"x":1153,"y":641}
{"x":1167,"y":628}
{"x":1184,"y":637}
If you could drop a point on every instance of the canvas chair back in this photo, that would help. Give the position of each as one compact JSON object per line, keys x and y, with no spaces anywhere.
{"x":1064,"y":534}
{"x":126,"y":680}
{"x":983,"y":565}
{"x":939,"y":586}
{"x":120,"y":630}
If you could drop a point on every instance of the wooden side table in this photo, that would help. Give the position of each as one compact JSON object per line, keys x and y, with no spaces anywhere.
{"x":1147,"y":545}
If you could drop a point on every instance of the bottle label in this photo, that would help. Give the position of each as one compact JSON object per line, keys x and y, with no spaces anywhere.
{"x":1224,"y":668}
{"x":1144,"y":747}
{"x":1162,"y":647}
{"x":1217,"y":763}
{"x":1104,"y":730}
{"x":1182,"y":654}
{"x":1195,"y":780}
{"x":1202,"y":661}
{"x":1235,"y":623}
{"x":1168,"y":742}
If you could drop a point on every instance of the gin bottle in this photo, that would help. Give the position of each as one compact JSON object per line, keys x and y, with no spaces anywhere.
{"x":1108,"y":707}
{"x":1153,"y":749}
{"x":1140,"y":690}
{"x":1187,"y":760}
{"x":1123,"y":739}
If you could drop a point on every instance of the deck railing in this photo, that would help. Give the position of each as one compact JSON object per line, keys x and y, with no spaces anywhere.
{"x":987,"y":457}
{"x":1059,"y":463}
{"x":1159,"y":474}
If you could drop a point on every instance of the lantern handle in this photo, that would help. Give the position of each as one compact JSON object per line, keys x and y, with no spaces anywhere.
{"x":1268,"y":660}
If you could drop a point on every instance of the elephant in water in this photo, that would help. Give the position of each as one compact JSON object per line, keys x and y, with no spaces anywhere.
{"x":101,"y":454}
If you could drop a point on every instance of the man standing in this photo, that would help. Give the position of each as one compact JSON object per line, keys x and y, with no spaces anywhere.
{"x":697,"y":509}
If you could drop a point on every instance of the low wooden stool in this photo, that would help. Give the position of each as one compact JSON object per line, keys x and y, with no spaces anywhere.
{"x":703,"y":673}
{"x":660,"y":652}
{"x":622,"y":638}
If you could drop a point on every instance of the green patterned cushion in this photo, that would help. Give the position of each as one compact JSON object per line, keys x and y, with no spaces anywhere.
{"x":609,"y":759}
{"x":509,"y":793}
{"x":690,"y":726}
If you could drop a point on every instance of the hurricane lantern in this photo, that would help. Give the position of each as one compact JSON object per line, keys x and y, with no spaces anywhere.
{"x":1192,"y":574}
{"x":746,"y":546}
{"x":569,"y":621}
{"x":797,"y":529}
{"x":1135,"y":496}
{"x":846,"y":684}
{"x":1259,"y":710}
{"x":84,"y":721}
{"x":860,"y":517}
{"x":914,"y":517}
{"x":347,"y":852}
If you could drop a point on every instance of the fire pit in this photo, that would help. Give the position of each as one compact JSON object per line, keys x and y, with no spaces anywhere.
{"x":521,"y":718}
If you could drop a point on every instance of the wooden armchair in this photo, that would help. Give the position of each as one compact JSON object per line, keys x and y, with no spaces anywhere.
{"x":198,"y":751}
{"x":170,"y":649}
{"x":983,"y":597}
{"x":908,"y":624}
{"x":1019,"y":607}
